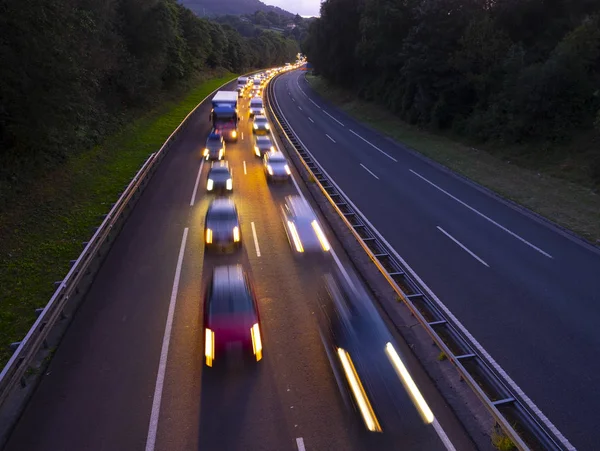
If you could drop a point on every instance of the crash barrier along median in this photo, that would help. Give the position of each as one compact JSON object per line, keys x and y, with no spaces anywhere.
{"x":525,"y":425}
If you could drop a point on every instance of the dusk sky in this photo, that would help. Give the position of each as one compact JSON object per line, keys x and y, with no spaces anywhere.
{"x":302,"y":7}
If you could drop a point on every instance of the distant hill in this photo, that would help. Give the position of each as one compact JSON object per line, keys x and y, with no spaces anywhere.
{"x":210,"y":8}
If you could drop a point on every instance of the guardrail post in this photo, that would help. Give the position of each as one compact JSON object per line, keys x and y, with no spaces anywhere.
{"x":13,"y":346}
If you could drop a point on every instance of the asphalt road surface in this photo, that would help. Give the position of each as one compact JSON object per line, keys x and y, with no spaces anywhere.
{"x":527,"y":291}
{"x":130,"y":374}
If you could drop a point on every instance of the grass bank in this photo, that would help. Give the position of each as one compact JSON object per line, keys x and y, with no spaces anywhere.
{"x":43,"y":229}
{"x":567,"y":200}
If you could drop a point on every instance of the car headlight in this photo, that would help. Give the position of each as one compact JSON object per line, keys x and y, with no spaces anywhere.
{"x":229,"y":184}
{"x":255,"y":126}
{"x":209,"y":185}
{"x":234,"y":134}
{"x":267,"y":126}
{"x":262,"y":111}
{"x":295,"y":236}
{"x":206,"y":152}
{"x":322,"y":239}
{"x":221,"y":152}
{"x":236,"y":234}
{"x":287,"y":170}
{"x":272,"y":148}
{"x":257,"y":151}
{"x":269,"y":169}
{"x":209,"y":236}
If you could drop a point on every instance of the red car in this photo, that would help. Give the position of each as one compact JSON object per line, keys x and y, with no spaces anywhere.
{"x":231,"y":319}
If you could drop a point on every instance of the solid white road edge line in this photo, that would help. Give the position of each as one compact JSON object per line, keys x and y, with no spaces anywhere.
{"x":367,"y":169}
{"x":442,"y":435}
{"x":246,"y":173}
{"x":298,"y":84}
{"x":309,"y":118}
{"x":196,"y":185}
{"x":373,"y":145}
{"x":314,"y":103}
{"x":330,"y":137}
{"x":162,"y":367}
{"x":300,"y":444}
{"x":447,"y":311}
{"x":463,"y":246}
{"x":255,"y":239}
{"x":483,"y":216}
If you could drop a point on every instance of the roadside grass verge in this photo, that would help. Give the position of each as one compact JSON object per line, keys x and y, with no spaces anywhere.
{"x":568,"y":200}
{"x":44,"y":228}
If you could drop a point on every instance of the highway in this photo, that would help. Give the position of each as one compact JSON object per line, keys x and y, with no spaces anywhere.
{"x":527,"y":291}
{"x":130,"y":374}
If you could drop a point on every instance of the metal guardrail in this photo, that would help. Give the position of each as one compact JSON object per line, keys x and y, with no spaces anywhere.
{"x":518,"y":417}
{"x":33,"y":351}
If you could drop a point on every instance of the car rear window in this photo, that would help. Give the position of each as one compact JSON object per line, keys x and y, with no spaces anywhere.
{"x":222,"y":215}
{"x":256,"y":103}
{"x":230,"y":299}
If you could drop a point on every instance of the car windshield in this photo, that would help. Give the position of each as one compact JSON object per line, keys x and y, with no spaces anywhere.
{"x":230,"y":299}
{"x":255,"y":104}
{"x":261,"y":120}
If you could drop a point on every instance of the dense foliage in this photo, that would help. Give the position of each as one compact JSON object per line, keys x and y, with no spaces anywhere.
{"x":72,"y":69}
{"x":213,"y":8}
{"x":295,"y":27}
{"x":511,"y":71}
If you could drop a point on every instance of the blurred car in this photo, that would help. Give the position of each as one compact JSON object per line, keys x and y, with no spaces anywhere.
{"x":369,"y":369}
{"x":261,"y":125}
{"x":302,"y":228}
{"x":219,"y":178}
{"x":222,"y":225}
{"x":231,"y":317}
{"x":276,"y":167}
{"x":262,"y":145}
{"x":257,"y":107}
{"x":215,"y":147}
